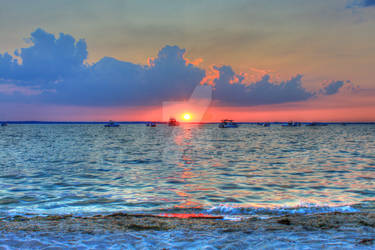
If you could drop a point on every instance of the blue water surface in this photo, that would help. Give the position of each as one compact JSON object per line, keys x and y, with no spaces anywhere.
{"x":73,"y":168}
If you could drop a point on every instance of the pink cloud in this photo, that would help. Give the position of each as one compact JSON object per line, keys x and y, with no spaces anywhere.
{"x":195,"y":62}
{"x":211,"y":75}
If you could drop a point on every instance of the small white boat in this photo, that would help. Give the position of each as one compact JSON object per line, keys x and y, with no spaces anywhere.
{"x":228,"y":124}
{"x":111,"y":124}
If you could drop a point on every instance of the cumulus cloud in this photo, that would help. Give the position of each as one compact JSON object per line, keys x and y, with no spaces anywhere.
{"x":230,"y":89}
{"x":333,"y":87}
{"x":54,"y":70}
{"x":113,"y":82}
{"x":59,"y":64}
{"x":7,"y":65}
{"x":48,"y":59}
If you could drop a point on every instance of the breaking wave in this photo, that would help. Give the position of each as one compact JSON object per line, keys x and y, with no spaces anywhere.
{"x":282,"y":210}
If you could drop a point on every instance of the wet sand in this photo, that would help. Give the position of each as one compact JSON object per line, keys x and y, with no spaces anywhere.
{"x":124,"y":222}
{"x":333,"y":229}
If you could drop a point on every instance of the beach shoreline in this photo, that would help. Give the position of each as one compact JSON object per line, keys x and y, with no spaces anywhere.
{"x":124,"y":221}
{"x":330,"y":229}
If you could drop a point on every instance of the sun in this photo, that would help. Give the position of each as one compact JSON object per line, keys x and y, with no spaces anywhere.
{"x":187,"y":116}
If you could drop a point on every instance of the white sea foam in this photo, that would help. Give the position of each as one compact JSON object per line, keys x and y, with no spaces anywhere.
{"x":299,"y":209}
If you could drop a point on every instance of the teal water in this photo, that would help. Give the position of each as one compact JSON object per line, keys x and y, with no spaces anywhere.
{"x":83,"y":169}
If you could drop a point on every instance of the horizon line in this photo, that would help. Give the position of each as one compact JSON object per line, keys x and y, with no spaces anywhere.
{"x":183,"y":122}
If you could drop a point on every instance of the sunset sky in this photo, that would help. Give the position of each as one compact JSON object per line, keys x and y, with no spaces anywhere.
{"x":273,"y":60}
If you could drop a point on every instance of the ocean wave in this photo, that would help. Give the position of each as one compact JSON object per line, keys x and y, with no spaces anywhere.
{"x":228,"y":211}
{"x":282,"y":210}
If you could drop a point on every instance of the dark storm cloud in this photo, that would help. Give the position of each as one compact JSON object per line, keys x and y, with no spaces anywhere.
{"x":54,"y":70}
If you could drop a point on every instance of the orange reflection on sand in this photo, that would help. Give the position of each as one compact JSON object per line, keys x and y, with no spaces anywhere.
{"x":189,"y":216}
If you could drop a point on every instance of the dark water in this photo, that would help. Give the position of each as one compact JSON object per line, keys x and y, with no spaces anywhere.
{"x":53,"y":169}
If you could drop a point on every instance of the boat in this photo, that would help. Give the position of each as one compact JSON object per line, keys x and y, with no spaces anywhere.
{"x":228,"y":124}
{"x":291,"y":124}
{"x":315,"y":124}
{"x":111,"y":124}
{"x":3,"y":124}
{"x":173,"y":122}
{"x":264,"y":124}
{"x":151,"y":124}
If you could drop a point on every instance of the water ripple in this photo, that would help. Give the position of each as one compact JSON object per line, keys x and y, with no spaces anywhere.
{"x":70,"y":168}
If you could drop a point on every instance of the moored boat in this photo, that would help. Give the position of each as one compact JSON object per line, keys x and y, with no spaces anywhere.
{"x":111,"y":124}
{"x":151,"y":124}
{"x":173,"y":122}
{"x":291,"y":124}
{"x":228,"y":124}
{"x":316,"y":124}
